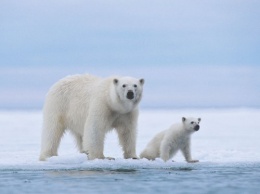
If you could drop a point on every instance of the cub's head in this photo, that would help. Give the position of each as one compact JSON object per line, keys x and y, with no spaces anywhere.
{"x":129,"y":88}
{"x":191,"y":124}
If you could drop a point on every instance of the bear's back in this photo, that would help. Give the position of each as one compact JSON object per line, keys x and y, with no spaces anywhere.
{"x":72,"y":85}
{"x":71,"y":92}
{"x":70,"y":98}
{"x":175,"y":132}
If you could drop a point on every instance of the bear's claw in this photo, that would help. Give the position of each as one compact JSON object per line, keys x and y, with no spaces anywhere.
{"x":109,"y":158}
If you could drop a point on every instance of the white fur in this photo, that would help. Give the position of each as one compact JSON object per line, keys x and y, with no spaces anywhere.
{"x":166,"y":143}
{"x":89,"y":107}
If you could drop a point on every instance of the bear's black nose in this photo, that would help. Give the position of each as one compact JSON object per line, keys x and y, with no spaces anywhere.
{"x":130,"y":95}
{"x":197,"y":127}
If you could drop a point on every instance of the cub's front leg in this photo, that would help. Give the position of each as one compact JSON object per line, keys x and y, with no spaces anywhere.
{"x":186,"y":153}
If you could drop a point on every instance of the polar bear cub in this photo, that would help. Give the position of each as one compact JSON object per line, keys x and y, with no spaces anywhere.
{"x":89,"y":107}
{"x":166,"y":143}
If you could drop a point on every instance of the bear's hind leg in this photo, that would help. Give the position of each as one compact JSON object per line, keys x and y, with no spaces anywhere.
{"x":148,"y":154}
{"x":52,"y":132}
{"x":167,"y":150}
{"x":78,"y":140}
{"x":165,"y":153}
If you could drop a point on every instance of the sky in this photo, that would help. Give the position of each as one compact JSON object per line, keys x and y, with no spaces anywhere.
{"x":192,"y":53}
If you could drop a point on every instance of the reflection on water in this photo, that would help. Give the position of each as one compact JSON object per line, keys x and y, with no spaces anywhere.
{"x":85,"y":172}
{"x":100,"y":171}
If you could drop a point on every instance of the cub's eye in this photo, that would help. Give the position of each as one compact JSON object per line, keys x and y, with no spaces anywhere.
{"x":192,"y":122}
{"x":135,"y":86}
{"x":124,"y":86}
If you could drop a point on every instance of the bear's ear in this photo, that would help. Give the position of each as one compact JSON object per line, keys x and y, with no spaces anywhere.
{"x":183,"y":119}
{"x":115,"y":81}
{"x":141,"y":81}
{"x":199,"y":119}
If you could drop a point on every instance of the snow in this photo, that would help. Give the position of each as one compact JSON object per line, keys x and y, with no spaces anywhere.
{"x":226,"y":136}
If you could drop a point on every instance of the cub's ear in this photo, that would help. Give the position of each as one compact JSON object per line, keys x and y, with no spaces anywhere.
{"x":183,"y":119}
{"x":115,"y":81}
{"x":141,"y":81}
{"x":199,"y":119}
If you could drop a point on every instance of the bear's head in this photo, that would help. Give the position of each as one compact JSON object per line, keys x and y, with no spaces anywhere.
{"x":129,"y":89}
{"x":191,"y":124}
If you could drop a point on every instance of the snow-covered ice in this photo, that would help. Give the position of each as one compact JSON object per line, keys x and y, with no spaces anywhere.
{"x":230,"y":135}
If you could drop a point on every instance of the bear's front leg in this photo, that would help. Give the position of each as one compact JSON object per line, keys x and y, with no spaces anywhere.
{"x":127,"y":139}
{"x":186,"y":153}
{"x":93,"y":141}
{"x":126,"y":127}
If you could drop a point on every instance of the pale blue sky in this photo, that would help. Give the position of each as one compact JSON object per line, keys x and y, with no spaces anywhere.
{"x":193,"y":53}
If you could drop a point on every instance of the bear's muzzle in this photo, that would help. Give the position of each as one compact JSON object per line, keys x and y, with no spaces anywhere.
{"x":197,"y":127}
{"x":130,"y":95}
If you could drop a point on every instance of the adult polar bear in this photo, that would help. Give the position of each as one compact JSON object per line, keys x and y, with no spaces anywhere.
{"x":89,"y":107}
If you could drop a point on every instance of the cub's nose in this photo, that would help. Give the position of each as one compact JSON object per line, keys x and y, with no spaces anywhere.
{"x":197,"y":127}
{"x":130,"y":95}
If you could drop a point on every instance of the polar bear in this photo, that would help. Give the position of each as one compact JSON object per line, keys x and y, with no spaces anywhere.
{"x":89,"y":107}
{"x":166,"y":143}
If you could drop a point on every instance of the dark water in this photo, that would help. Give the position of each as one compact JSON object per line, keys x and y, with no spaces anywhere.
{"x":203,"y":178}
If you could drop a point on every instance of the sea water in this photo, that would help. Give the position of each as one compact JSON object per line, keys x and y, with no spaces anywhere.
{"x":227,"y":146}
{"x":195,"y":178}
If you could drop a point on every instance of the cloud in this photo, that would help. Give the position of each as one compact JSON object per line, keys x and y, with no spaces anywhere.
{"x":129,"y":32}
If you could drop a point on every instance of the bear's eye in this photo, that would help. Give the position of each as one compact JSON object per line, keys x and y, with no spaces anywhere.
{"x":192,"y":122}
{"x":124,"y":86}
{"x":135,"y":86}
